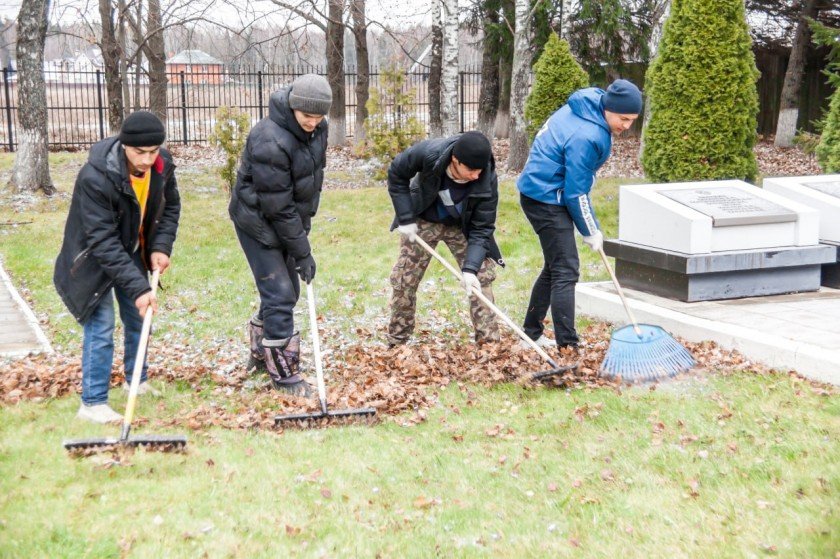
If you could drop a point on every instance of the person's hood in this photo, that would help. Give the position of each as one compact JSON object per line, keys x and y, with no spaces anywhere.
{"x":107,"y":157}
{"x":586,"y":103}
{"x":282,"y":115}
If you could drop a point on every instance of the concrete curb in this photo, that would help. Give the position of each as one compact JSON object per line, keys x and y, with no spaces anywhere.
{"x":29,"y":317}
{"x":812,"y":361}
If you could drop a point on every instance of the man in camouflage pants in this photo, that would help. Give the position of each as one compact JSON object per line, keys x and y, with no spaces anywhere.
{"x":445,"y":190}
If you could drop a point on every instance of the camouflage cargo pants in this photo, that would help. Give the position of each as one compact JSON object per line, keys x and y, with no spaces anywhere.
{"x":409,"y":270}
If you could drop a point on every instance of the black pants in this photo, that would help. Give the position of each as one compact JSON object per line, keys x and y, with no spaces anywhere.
{"x":555,"y":286}
{"x":278,"y":284}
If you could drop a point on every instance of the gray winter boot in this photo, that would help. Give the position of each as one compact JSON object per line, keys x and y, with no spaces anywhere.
{"x":256,"y":360}
{"x":282,"y":358}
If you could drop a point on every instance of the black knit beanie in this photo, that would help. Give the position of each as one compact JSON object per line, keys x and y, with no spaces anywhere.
{"x":473,"y":150}
{"x":623,"y":97}
{"x":142,"y":129}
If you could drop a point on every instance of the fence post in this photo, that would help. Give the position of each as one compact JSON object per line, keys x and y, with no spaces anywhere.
{"x":8,"y":107}
{"x":100,"y":106}
{"x":184,"y":109}
{"x":463,"y":99}
{"x":260,"y":92}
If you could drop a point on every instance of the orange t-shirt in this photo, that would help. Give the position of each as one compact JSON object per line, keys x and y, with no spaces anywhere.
{"x":141,"y":190}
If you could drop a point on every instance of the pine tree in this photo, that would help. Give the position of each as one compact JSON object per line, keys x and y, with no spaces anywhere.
{"x":702,"y":91}
{"x":556,"y":76}
{"x":828,"y":150}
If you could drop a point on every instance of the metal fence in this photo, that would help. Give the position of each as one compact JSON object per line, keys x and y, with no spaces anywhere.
{"x":77,"y":102}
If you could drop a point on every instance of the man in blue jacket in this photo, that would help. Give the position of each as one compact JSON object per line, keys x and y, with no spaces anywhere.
{"x":554,"y":193}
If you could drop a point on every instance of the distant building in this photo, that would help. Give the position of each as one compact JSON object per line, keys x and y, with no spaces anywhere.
{"x":79,"y":68}
{"x":198,"y":68}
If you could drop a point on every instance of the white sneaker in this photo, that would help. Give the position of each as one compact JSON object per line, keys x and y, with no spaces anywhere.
{"x":543,"y":342}
{"x":99,"y":413}
{"x":143,"y":389}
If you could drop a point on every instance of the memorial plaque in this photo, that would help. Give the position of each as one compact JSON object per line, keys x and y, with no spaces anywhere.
{"x":729,"y":206}
{"x":832,"y":188}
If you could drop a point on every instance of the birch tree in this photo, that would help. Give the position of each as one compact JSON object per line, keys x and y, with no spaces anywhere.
{"x":335,"y":71}
{"x":519,"y":85}
{"x":449,"y":69}
{"x":435,"y":71}
{"x":31,"y":171}
{"x":789,"y":106}
{"x":357,"y":8}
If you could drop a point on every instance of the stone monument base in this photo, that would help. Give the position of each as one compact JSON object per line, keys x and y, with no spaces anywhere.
{"x":720,"y":275}
{"x":831,"y":271}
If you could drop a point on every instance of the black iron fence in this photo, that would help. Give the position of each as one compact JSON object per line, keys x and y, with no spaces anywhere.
{"x":77,"y":101}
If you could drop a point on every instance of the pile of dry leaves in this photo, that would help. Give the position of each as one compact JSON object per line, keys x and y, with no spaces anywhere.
{"x":401,"y":382}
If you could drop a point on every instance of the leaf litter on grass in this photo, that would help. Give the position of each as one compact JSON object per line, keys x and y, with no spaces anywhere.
{"x":400,"y":382}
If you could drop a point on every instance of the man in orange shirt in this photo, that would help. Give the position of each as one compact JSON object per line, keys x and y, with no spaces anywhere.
{"x":122,"y":224}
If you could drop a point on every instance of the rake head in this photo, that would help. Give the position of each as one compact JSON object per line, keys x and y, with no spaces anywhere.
{"x":651,"y":356}
{"x":157,"y":443}
{"x":321,"y":419}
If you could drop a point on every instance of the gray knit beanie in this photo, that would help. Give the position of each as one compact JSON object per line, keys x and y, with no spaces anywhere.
{"x":311,"y":94}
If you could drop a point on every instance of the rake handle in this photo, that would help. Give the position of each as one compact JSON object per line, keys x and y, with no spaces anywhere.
{"x":620,"y":292}
{"x":477,"y":292}
{"x":316,"y":346}
{"x":139,"y":360}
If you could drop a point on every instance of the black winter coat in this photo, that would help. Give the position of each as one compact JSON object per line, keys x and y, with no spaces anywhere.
{"x":278,"y":184}
{"x":102,"y":229}
{"x":414,"y":179}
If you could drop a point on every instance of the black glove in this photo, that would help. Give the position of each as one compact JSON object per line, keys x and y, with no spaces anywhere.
{"x":305,"y":267}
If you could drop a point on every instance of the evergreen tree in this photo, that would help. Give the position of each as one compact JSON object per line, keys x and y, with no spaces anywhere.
{"x":828,"y":150}
{"x":702,"y":93}
{"x":556,"y":76}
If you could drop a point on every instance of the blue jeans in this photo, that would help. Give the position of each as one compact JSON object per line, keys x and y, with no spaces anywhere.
{"x":98,"y":345}
{"x":555,"y":286}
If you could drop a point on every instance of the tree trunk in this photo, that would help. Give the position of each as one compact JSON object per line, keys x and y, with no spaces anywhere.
{"x":357,"y":8}
{"x":519,"y":87}
{"x":789,"y":106}
{"x":435,"y":124}
{"x":488,"y":96}
{"x":335,"y":71}
{"x":156,"y":54}
{"x":31,"y":171}
{"x":121,"y":40}
{"x":138,"y":60}
{"x":111,"y":55}
{"x":449,"y":69}
{"x":505,"y":71}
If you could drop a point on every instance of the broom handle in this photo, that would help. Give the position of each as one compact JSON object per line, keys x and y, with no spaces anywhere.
{"x":620,"y":292}
{"x":316,"y":346}
{"x":139,"y":359}
{"x":477,"y":292}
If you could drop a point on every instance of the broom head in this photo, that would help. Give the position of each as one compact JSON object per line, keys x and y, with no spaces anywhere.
{"x":653,"y":355}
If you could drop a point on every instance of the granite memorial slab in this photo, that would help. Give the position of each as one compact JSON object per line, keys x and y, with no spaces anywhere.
{"x":822,"y":193}
{"x":713,"y":216}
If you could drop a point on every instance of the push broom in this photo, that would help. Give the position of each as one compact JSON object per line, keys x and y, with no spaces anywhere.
{"x":642,"y":352}
{"x":323,"y":417}
{"x":162,"y":443}
{"x":540,"y":376}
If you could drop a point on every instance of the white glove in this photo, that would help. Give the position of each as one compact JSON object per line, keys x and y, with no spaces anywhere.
{"x":469,"y":281}
{"x":409,"y":231}
{"x":595,"y":241}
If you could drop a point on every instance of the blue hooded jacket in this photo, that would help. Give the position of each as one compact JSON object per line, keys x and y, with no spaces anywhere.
{"x":570,"y":147}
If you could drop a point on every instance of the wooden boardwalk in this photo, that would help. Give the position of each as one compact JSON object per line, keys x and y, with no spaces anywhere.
{"x":20,"y":333}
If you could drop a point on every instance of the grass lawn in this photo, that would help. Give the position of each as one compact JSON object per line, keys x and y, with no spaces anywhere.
{"x":730,"y":464}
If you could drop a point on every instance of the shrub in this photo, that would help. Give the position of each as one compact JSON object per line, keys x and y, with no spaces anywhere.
{"x":828,"y":150}
{"x":391,"y":125}
{"x":702,"y":93}
{"x":229,"y":134}
{"x":556,"y":76}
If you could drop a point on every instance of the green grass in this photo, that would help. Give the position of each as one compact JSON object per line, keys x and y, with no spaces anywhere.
{"x":730,"y":465}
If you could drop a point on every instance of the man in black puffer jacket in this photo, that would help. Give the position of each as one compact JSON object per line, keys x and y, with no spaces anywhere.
{"x":122,"y":223}
{"x":278,"y":187}
{"x":445,"y":190}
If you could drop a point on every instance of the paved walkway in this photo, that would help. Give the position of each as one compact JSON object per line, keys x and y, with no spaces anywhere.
{"x":799,"y":331}
{"x":20,"y":333}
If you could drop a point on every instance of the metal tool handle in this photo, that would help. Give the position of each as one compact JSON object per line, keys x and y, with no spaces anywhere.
{"x":316,"y":346}
{"x":477,"y":292}
{"x":620,"y":292}
{"x":139,"y":360}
